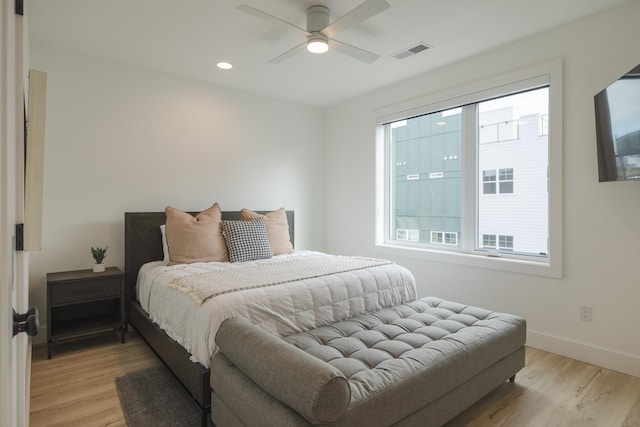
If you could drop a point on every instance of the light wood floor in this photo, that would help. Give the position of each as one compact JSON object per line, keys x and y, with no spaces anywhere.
{"x":76,"y":388}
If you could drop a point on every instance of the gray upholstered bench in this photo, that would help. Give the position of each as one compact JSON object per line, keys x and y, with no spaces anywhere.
{"x":419,"y":364}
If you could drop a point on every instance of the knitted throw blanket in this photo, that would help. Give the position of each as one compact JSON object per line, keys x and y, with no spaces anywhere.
{"x":203,"y":286}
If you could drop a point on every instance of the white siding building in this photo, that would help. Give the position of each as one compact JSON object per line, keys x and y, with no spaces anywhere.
{"x":513,"y":168}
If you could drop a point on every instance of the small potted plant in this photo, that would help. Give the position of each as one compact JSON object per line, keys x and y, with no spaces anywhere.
{"x":98,"y":255}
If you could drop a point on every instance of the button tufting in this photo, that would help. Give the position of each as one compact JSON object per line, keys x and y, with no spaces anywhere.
{"x":393,"y":341}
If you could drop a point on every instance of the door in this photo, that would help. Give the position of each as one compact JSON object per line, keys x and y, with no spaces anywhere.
{"x":14,"y":351}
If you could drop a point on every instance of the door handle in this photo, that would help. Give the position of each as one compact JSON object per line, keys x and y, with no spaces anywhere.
{"x":28,"y":322}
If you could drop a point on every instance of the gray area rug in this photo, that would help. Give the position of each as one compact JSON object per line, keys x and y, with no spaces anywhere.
{"x":153,"y":397}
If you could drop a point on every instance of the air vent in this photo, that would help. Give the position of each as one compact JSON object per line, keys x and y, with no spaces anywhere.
{"x":421,"y":47}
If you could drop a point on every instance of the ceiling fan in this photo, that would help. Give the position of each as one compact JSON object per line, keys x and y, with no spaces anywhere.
{"x":320,"y":30}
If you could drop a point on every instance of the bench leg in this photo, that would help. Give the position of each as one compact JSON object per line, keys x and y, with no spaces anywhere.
{"x":513,"y":378}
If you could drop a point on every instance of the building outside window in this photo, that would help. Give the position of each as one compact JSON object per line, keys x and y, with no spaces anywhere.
{"x":489,"y":241}
{"x":505,"y":243}
{"x":409,"y":235}
{"x":506,"y":181}
{"x":489,"y":181}
{"x":444,"y":238}
{"x":426,"y":167}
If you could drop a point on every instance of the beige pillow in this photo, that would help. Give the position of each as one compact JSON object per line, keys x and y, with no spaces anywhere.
{"x":195,"y":239}
{"x":277,"y":229}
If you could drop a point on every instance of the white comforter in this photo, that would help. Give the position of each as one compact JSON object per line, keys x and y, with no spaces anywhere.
{"x":282,"y":309}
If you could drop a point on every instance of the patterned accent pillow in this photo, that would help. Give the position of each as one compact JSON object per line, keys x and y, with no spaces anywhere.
{"x":246,"y":240}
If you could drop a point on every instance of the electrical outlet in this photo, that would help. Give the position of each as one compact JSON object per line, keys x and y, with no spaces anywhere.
{"x":586,"y":313}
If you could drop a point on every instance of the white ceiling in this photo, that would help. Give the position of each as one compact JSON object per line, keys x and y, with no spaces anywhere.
{"x":188,"y":37}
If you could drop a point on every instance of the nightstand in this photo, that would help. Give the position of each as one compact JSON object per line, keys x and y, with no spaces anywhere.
{"x":82,"y":303}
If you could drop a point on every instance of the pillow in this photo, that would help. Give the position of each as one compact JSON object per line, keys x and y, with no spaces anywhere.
{"x":195,"y":239}
{"x":277,"y":229}
{"x":246,"y":240}
{"x":165,"y":249}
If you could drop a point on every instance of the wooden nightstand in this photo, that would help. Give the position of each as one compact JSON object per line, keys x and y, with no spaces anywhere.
{"x":82,"y":303}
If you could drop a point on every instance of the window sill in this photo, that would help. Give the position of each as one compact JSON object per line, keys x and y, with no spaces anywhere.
{"x":506,"y":263}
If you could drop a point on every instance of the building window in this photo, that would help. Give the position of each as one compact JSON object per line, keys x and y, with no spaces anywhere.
{"x":505,"y":243}
{"x":457,"y":149}
{"x":489,"y":181}
{"x":506,"y":181}
{"x":444,"y":238}
{"x":408,"y":235}
{"x":489,"y":241}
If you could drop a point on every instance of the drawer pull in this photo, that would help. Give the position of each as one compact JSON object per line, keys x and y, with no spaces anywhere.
{"x":85,"y":291}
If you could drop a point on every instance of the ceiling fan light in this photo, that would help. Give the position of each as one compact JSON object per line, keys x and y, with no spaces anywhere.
{"x":317,"y":45}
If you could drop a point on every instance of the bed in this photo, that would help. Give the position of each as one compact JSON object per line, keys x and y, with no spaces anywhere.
{"x":144,"y":253}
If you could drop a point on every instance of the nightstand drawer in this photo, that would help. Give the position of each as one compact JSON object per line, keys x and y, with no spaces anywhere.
{"x":64,"y":293}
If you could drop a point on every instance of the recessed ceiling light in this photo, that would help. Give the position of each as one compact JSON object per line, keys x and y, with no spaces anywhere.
{"x":224,"y":65}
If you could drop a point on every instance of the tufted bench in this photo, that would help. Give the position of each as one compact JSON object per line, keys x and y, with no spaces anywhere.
{"x":419,"y":363}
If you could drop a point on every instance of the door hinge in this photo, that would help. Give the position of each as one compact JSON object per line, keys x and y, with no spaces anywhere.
{"x":20,"y":7}
{"x":19,"y":237}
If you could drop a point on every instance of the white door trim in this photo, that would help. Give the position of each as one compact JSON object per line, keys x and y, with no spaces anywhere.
{"x":14,"y":363}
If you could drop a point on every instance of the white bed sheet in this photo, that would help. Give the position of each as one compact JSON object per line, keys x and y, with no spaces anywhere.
{"x":282,"y":309}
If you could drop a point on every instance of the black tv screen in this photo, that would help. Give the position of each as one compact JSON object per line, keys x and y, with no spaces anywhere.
{"x":618,"y":128}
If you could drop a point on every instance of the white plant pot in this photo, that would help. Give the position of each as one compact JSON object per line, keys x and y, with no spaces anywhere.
{"x":98,"y":268}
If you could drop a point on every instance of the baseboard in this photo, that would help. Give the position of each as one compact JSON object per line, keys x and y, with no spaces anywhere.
{"x":625,"y":363}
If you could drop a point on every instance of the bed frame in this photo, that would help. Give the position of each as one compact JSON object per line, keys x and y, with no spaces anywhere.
{"x":142,"y":244}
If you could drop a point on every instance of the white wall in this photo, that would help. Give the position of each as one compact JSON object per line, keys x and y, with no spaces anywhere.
{"x":601,"y":224}
{"x":121,"y":139}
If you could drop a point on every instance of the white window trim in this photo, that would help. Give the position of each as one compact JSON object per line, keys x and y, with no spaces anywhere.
{"x":550,"y":72}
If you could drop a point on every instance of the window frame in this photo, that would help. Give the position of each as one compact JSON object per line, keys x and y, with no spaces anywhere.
{"x":535,"y":76}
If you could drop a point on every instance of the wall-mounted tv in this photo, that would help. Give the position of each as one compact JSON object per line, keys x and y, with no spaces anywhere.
{"x":618,"y":128}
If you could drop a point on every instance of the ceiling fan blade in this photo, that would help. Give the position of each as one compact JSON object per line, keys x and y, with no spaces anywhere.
{"x":361,"y":13}
{"x":288,"y":54}
{"x":274,"y":20}
{"x":354,"y":52}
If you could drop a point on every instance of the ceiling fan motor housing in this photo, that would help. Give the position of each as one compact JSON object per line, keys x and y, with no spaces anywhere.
{"x":317,"y":18}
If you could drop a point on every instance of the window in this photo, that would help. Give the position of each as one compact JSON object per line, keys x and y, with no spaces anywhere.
{"x":410,"y":235}
{"x":505,"y":243}
{"x":489,"y":181}
{"x":506,"y":181}
{"x":488,"y":240}
{"x":448,"y":170}
{"x":443,"y":237}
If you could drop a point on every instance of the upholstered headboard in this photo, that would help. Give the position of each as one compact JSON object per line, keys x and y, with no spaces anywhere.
{"x":143,"y":242}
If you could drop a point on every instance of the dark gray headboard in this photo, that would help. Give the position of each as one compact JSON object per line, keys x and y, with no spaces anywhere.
{"x":143,"y":242}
